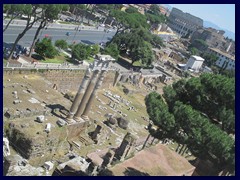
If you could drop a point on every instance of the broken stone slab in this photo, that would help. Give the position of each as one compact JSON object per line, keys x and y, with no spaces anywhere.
{"x":25,"y":91}
{"x":47,"y":112}
{"x":61,"y":122}
{"x":122,"y":123}
{"x":6,"y":149}
{"x":17,"y":169}
{"x":14,"y":92}
{"x":48,"y":165}
{"x":40,"y":119}
{"x":48,"y":128}
{"x":17,"y":101}
{"x":25,"y":125}
{"x":76,"y":144}
{"x":31,"y":91}
{"x":33,"y":100}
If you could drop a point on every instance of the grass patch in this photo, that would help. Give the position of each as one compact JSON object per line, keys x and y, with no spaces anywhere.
{"x":57,"y":59}
{"x":90,"y":59}
{"x":137,"y":63}
{"x":4,"y":62}
{"x":61,"y":58}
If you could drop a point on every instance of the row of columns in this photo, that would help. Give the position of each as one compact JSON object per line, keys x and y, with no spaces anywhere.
{"x":85,"y":96}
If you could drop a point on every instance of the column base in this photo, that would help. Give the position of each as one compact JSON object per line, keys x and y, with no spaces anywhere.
{"x":79,"y":119}
{"x":70,"y":115}
{"x":70,"y":120}
{"x":85,"y":118}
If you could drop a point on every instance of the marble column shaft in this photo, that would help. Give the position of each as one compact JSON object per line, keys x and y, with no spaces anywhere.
{"x":90,"y":101}
{"x":79,"y":94}
{"x":86,"y":95}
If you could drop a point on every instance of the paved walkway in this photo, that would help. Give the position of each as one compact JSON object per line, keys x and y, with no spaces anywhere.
{"x":54,"y":25}
{"x":21,"y":60}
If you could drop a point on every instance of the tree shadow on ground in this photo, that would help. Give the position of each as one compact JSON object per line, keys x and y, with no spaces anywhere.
{"x":193,"y":162}
{"x":106,"y":172}
{"x":72,"y":61}
{"x":87,"y":42}
{"x":57,"y":110}
{"x":134,"y":172}
{"x":37,"y":57}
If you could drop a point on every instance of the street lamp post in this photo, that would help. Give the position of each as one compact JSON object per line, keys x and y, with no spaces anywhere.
{"x":78,"y":28}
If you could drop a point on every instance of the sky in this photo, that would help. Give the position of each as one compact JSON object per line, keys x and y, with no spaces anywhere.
{"x":223,"y":15}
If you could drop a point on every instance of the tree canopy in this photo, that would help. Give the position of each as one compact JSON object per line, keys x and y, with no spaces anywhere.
{"x":200,"y":113}
{"x":210,"y":59}
{"x":155,"y":19}
{"x":45,"y":48}
{"x":29,"y":10}
{"x":137,"y":45}
{"x":112,"y":50}
{"x":83,"y":52}
{"x":60,"y":43}
{"x":48,"y":14}
{"x":129,"y":20}
{"x":154,"y":9}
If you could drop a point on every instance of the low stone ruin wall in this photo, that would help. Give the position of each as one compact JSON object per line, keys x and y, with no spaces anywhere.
{"x":64,"y":80}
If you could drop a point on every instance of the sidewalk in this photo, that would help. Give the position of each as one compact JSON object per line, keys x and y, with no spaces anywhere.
{"x":21,"y":60}
{"x":54,"y":25}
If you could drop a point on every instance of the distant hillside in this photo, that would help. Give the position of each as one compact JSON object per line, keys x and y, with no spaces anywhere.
{"x":167,"y":6}
{"x":227,"y":33}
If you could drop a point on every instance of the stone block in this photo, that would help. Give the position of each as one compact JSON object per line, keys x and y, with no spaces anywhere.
{"x":61,"y":122}
{"x":40,"y":119}
{"x":48,"y":165}
{"x":17,"y":101}
{"x":48,"y":127}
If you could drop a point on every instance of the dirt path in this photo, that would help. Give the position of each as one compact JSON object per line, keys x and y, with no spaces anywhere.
{"x":157,"y":160}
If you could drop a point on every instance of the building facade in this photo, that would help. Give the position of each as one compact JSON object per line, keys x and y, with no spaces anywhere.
{"x":194,"y":63}
{"x":183,"y":23}
{"x":224,"y":60}
{"x":214,"y":39}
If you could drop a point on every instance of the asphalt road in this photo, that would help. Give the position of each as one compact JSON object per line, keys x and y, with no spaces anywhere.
{"x":85,"y":36}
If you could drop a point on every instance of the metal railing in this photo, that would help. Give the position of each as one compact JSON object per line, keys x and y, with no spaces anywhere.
{"x":44,"y":66}
{"x":47,"y":66}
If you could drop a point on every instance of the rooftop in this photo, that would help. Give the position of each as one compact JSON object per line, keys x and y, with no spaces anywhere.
{"x":223,"y":53}
{"x":198,"y":58}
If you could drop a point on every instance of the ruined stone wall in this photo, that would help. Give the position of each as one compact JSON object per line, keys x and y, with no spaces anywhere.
{"x":64,"y":80}
{"x":75,"y":130}
{"x":39,"y":148}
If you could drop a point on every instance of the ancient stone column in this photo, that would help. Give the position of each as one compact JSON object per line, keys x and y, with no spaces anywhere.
{"x":91,"y":99}
{"x":112,"y":153}
{"x":79,"y":94}
{"x":145,"y":143}
{"x":108,"y":158}
{"x":126,"y":146}
{"x":81,"y":107}
{"x":117,"y":78}
{"x":96,"y":133}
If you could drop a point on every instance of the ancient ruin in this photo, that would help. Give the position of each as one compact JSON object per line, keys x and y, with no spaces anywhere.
{"x":99,"y":127}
